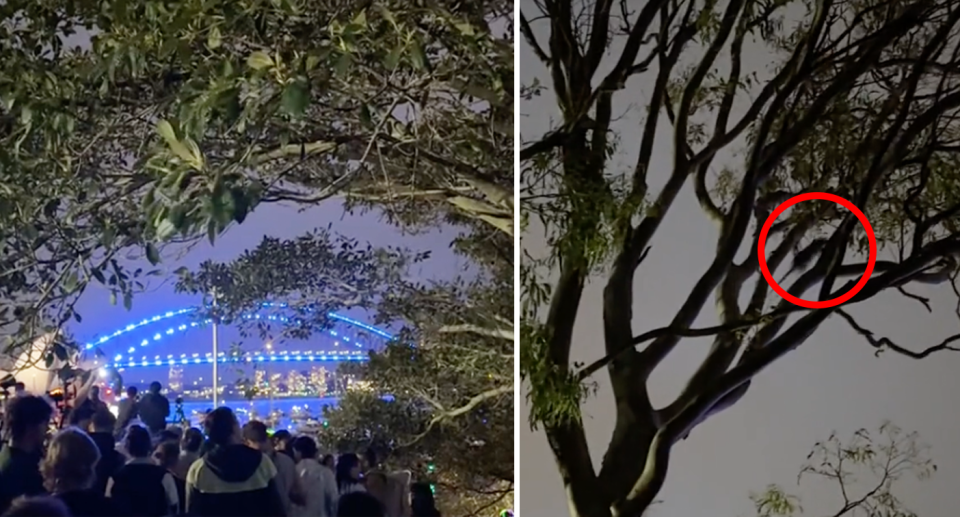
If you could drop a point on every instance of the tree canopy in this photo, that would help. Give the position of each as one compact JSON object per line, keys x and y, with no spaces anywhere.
{"x":129,"y":126}
{"x":860,"y":102}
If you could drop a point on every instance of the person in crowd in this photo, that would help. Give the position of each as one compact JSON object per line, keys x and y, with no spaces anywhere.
{"x":87,"y":407}
{"x":359,"y":504}
{"x":141,"y":487}
{"x":154,"y":409}
{"x":167,"y":436}
{"x":281,"y":442}
{"x":319,"y":483}
{"x":422,"y":502}
{"x":167,"y":455}
{"x":375,"y":482}
{"x":329,"y":461}
{"x":390,"y":488}
{"x":41,"y":506}
{"x":189,"y":451}
{"x":127,"y":411}
{"x":69,"y":472}
{"x":255,"y":436}
{"x":348,"y":474}
{"x":101,"y":431}
{"x":232,"y":480}
{"x":28,"y":421}
{"x":175,"y":432}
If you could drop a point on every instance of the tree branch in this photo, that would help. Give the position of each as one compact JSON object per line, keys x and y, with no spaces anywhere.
{"x":500,"y":333}
{"x":885,"y":343}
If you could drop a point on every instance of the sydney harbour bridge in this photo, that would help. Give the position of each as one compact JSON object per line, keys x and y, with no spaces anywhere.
{"x":141,"y":344}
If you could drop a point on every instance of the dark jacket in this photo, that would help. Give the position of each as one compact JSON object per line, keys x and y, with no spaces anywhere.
{"x":233,"y":481}
{"x":154,"y":409}
{"x":110,"y":460}
{"x":138,"y":490}
{"x":88,"y":503}
{"x":19,"y":475}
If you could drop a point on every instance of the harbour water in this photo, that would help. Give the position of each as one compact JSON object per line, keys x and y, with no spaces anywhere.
{"x":289,"y":411}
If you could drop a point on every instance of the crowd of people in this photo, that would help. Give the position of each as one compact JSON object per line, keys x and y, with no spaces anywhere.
{"x":105,"y":465}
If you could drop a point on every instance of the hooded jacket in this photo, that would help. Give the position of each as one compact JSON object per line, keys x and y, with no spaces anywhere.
{"x":233,"y":481}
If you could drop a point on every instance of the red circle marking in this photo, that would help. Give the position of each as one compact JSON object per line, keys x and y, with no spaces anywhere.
{"x":762,"y":256}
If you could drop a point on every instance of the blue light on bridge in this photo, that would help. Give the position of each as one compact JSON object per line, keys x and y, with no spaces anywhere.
{"x":121,"y":361}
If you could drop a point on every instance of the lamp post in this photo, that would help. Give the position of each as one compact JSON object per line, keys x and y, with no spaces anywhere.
{"x":269,"y":375}
{"x":216,"y":379}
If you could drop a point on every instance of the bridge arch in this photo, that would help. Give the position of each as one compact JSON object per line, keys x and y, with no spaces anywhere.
{"x":355,"y":335}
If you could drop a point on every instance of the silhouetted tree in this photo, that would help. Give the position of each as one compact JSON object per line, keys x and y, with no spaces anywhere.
{"x":861,"y":102}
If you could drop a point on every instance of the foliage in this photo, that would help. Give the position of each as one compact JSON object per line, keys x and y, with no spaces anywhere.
{"x":469,"y":459}
{"x":861,"y":102}
{"x":449,"y":371}
{"x":865,"y":470}
{"x":128,"y":127}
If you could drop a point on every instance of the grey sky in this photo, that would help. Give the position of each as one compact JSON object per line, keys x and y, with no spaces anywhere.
{"x":832,"y":382}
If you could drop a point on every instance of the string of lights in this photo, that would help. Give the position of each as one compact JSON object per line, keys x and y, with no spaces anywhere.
{"x":129,"y":361}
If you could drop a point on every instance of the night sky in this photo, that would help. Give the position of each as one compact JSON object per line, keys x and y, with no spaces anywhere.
{"x":832,"y":382}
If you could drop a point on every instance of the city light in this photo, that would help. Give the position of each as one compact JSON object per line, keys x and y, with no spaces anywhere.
{"x":332,"y":355}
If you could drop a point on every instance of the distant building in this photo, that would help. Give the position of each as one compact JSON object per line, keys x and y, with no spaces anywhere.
{"x":175,"y":379}
{"x":318,"y":380}
{"x":297,"y":382}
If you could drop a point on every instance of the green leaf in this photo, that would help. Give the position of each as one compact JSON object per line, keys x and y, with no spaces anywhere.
{"x":296,"y":98}
{"x":127,"y":300}
{"x":466,"y":29}
{"x":366,"y":119}
{"x":392,"y":59}
{"x":152,"y":254}
{"x":482,"y":93}
{"x":166,"y":230}
{"x":70,"y":282}
{"x":113,"y":297}
{"x":360,"y":19}
{"x":312,"y":61}
{"x":106,"y":238}
{"x":418,"y":57}
{"x":343,"y":64}
{"x":194,"y":156}
{"x":259,"y":60}
{"x":214,"y":38}
{"x":165,"y":129}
